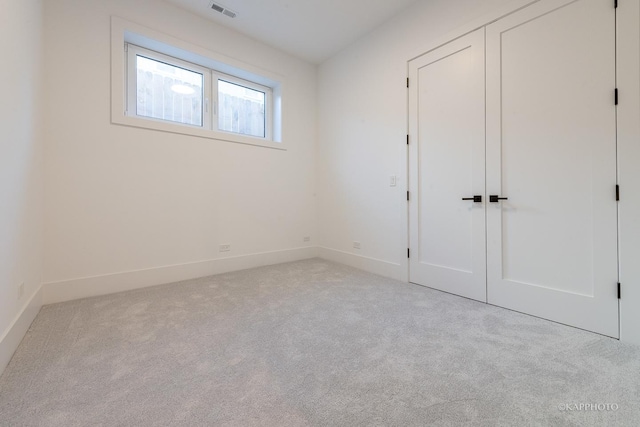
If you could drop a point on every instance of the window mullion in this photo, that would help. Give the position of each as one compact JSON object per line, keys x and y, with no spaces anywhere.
{"x":214,"y":100}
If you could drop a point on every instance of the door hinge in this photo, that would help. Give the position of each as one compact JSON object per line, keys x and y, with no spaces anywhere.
{"x":407,"y":81}
{"x":616,"y":96}
{"x":407,"y":139}
{"x":619,"y":293}
{"x":407,"y":196}
{"x":615,"y":4}
{"x":617,"y":193}
{"x":408,"y":253}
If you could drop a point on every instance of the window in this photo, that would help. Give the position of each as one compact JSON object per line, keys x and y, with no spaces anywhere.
{"x":241,"y":109}
{"x":167,"y":84}
{"x":167,"y":89}
{"x":168,"y":92}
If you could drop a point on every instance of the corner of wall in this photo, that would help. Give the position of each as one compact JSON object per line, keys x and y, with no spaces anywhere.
{"x":14,"y":334}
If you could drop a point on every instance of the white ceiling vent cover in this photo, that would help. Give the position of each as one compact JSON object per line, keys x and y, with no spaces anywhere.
{"x":221,"y":9}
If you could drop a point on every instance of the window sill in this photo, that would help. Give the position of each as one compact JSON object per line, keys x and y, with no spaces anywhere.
{"x":194,"y":131}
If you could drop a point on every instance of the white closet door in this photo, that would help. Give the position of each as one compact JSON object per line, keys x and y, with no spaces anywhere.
{"x":447,"y":164}
{"x":551,"y":149}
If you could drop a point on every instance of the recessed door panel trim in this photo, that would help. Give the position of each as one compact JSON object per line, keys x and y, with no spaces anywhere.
{"x":447,"y":233}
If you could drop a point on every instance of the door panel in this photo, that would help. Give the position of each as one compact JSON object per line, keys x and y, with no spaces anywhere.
{"x":551,"y":149}
{"x":447,"y":163}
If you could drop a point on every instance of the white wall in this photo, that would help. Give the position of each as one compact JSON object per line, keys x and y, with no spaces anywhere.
{"x":362,"y":140}
{"x":20,"y":169}
{"x":362,"y":135}
{"x":129,"y":207}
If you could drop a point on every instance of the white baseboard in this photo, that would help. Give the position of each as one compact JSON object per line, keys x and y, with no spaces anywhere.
{"x":372,"y":265}
{"x":12,"y":337}
{"x":68,"y":290}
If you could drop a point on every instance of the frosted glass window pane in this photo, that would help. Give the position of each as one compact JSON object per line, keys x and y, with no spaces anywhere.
{"x":241,"y":109}
{"x":167,"y":92}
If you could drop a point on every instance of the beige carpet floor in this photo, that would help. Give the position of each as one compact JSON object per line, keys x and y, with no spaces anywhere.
{"x":311,"y":343}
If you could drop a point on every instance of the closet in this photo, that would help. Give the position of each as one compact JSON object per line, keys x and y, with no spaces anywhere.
{"x":512,"y":164}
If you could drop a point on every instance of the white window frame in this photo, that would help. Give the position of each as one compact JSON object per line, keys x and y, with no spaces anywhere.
{"x":132,"y":79}
{"x":186,"y":55}
{"x":268,"y":100}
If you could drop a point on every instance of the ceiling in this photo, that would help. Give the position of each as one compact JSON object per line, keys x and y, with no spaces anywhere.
{"x":313,"y":30}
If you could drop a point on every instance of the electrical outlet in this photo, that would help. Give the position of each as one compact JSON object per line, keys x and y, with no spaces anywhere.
{"x":225,"y":248}
{"x":306,"y":239}
{"x":356,"y":245}
{"x":21,"y":290}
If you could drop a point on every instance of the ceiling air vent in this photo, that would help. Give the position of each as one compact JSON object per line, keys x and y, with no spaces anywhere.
{"x":223,"y":10}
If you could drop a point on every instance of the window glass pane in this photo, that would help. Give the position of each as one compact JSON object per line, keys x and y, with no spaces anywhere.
{"x":240,"y":109}
{"x":167,"y":92}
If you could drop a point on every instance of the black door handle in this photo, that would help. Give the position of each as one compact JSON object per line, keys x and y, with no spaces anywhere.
{"x":495,"y":199}
{"x":476,"y":199}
